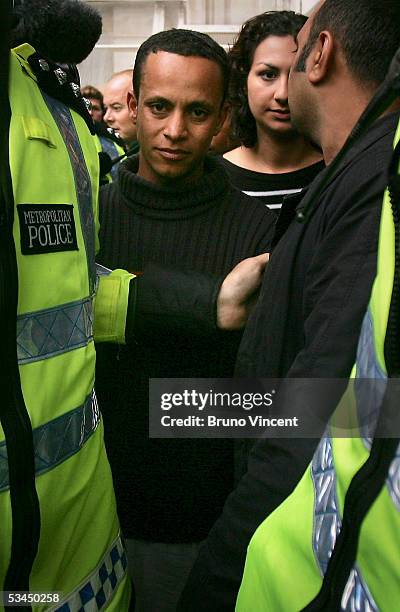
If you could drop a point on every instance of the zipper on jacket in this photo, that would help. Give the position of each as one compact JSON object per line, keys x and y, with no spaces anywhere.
{"x":392,"y":341}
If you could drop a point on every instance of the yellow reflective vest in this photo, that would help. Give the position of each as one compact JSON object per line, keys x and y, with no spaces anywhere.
{"x":54,"y":172}
{"x":290,"y":552}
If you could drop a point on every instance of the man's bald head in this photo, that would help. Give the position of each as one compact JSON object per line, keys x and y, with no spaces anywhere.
{"x":120,"y":80}
{"x":115,"y":99}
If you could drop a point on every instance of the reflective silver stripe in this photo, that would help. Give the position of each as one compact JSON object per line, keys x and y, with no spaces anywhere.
{"x":367,"y":362}
{"x":327,"y":526}
{"x":96,"y":591}
{"x":83,"y":184}
{"x":327,"y":523}
{"x":57,"y":440}
{"x":369,"y":394}
{"x":110,"y":148}
{"x":53,"y":331}
{"x":372,"y":386}
{"x":356,"y":596}
{"x":393,"y":480}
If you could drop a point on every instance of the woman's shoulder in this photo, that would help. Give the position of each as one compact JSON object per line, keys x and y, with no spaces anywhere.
{"x":241,"y":157}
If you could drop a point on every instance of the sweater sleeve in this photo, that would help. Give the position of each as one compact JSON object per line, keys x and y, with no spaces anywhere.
{"x":176,"y":300}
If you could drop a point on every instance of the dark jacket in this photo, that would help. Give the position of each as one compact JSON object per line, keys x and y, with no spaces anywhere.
{"x":306,"y":324}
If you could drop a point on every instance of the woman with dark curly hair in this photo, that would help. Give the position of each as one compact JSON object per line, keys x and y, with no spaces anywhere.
{"x":273,"y":159}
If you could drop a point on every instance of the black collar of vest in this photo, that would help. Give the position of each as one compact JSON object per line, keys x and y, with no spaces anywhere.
{"x":61,"y":83}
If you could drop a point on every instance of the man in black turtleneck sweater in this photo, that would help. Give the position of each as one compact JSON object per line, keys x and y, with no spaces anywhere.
{"x":171,"y":205}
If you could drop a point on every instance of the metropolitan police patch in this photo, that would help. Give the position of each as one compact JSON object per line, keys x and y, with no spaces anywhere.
{"x":47,"y":228}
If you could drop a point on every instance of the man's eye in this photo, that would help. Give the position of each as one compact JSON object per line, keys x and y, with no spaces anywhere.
{"x":199,"y":113}
{"x":158,"y":107}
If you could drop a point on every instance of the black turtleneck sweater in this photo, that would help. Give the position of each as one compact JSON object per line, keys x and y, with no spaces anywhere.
{"x":170,"y":490}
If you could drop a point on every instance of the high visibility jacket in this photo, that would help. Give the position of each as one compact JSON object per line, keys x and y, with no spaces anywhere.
{"x":54,"y":172}
{"x":288,"y":555}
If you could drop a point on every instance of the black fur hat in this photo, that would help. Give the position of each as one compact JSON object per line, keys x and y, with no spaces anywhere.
{"x":64,"y":31}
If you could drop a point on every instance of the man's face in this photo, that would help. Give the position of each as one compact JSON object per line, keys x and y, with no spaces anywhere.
{"x":117,"y":114}
{"x":302,"y":104}
{"x":267,"y":84}
{"x":178,"y":113}
{"x":96,"y":110}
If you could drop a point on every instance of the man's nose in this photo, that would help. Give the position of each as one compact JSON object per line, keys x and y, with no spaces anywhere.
{"x":281,"y":91}
{"x":175,"y":128}
{"x":109,"y":116}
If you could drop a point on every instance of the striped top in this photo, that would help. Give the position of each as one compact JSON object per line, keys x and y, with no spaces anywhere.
{"x":270,"y":188}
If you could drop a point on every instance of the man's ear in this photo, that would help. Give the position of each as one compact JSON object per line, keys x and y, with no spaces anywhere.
{"x":225,"y":109}
{"x":132,"y":106}
{"x":321,"y":58}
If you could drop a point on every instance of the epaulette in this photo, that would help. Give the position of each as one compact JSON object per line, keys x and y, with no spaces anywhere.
{"x":61,"y":83}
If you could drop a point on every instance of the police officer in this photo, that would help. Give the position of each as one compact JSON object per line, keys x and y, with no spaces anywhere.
{"x":334,"y":543}
{"x":60,"y":531}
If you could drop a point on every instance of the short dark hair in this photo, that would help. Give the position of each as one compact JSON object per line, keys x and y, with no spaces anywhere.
{"x":89,"y":91}
{"x":182,"y":42}
{"x":253,"y":32}
{"x":368,"y":32}
{"x":92,"y":93}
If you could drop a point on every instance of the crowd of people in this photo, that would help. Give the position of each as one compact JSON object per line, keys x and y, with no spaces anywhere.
{"x":206,"y":215}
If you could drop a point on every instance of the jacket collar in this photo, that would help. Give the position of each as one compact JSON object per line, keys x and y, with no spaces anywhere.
{"x":59,"y":82}
{"x":295,"y":203}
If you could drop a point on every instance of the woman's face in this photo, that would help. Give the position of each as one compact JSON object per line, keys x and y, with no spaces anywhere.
{"x":267,"y":84}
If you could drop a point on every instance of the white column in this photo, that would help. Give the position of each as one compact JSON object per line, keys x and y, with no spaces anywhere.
{"x":308,"y":5}
{"x":182,"y":14}
{"x":159,"y":16}
{"x":283,"y":5}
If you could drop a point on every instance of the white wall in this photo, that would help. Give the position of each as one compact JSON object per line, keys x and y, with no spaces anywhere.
{"x":127,"y":23}
{"x":308,"y":5}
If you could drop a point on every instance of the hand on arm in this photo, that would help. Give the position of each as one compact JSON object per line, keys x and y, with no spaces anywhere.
{"x":239,"y":291}
{"x":194,"y":302}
